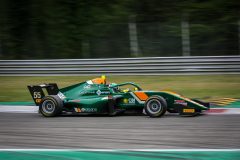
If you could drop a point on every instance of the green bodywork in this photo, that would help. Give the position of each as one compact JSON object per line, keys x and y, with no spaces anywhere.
{"x":94,"y":98}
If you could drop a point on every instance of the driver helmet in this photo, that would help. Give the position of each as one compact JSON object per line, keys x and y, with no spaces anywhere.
{"x":101,"y":80}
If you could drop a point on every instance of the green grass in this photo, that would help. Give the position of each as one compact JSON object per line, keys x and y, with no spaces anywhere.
{"x":15,"y":88}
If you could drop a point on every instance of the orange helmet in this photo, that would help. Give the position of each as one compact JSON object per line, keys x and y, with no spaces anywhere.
{"x":101,"y":80}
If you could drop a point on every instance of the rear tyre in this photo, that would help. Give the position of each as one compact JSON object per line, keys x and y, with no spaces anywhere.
{"x":51,"y":106}
{"x":155,"y":106}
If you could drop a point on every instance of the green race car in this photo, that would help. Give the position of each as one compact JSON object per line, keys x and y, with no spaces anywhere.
{"x":112,"y":99}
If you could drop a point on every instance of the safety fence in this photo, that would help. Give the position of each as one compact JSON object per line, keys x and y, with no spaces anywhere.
{"x":194,"y":65}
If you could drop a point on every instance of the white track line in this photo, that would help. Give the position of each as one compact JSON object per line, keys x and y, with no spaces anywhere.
{"x":18,"y":109}
{"x":34,"y":109}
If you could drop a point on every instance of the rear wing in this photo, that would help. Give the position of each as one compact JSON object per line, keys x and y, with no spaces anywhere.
{"x":38,"y":93}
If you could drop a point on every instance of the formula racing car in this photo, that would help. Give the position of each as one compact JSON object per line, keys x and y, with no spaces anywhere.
{"x":97,"y":97}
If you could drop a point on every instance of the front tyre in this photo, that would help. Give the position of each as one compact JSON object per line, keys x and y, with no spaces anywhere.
{"x":51,"y":106}
{"x":155,"y":106}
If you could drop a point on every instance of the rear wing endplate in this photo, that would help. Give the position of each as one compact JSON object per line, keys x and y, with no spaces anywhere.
{"x":37,"y":92}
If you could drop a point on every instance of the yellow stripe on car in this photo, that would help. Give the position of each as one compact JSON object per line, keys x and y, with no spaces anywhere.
{"x":188,"y":110}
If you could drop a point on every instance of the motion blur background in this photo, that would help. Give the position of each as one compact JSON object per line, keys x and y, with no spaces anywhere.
{"x":118,"y":28}
{"x":88,"y":29}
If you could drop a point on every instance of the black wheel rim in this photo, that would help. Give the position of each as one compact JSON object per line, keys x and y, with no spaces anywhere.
{"x":154,"y":106}
{"x":48,"y":106}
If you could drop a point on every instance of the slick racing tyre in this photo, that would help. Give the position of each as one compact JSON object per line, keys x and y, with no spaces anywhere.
{"x":51,"y":106}
{"x":155,"y":106}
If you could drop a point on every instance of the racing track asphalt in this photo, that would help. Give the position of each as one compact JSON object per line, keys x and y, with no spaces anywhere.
{"x":31,"y":130}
